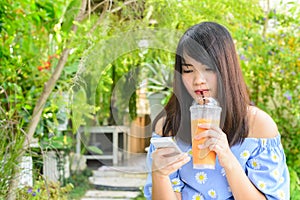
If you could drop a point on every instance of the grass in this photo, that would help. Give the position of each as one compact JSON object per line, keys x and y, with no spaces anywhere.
{"x":81,"y":183}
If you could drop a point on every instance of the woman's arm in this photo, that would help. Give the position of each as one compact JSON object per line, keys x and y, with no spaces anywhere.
{"x":242,"y":188}
{"x":162,"y":166}
{"x":164,"y":181}
{"x":162,"y":188}
{"x":261,"y":125}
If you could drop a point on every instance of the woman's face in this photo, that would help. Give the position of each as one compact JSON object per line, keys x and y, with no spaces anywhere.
{"x":199,"y":79}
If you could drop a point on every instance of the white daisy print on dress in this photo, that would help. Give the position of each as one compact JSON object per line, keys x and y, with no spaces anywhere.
{"x":264,"y":142}
{"x":255,"y":164}
{"x":281,"y":180}
{"x":190,"y":153}
{"x":281,"y":194}
{"x":274,"y":157}
{"x":201,"y":177}
{"x":197,"y":196}
{"x":175,"y":181}
{"x":262,"y":185}
{"x":245,"y":154}
{"x":275,"y":173}
{"x":212,"y":193}
{"x":176,"y":189}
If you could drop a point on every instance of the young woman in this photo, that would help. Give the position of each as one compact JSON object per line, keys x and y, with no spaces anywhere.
{"x":250,"y":163}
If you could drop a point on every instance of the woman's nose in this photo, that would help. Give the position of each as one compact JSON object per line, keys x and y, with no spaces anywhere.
{"x":199,"y":78}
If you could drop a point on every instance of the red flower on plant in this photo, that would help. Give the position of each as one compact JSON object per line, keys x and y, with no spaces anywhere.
{"x":47,"y":64}
{"x":40,"y":68}
{"x":53,"y":56}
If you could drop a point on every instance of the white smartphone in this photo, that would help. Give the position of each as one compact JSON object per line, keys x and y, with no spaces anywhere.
{"x":164,"y":142}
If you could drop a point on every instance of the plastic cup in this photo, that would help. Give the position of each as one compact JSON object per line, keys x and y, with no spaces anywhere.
{"x":200,"y":114}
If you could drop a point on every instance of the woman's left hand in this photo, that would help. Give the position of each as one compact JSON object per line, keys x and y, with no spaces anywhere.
{"x":216,"y":140}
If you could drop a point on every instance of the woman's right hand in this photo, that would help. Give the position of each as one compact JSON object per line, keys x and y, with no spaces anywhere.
{"x":164,"y":163}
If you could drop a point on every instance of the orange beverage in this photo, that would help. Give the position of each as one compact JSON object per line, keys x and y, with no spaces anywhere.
{"x":203,"y":114}
{"x":202,"y":158}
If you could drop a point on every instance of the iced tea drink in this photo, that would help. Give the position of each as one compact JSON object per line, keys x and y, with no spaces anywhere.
{"x":200,"y":114}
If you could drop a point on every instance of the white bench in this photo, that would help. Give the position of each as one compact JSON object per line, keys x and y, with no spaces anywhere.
{"x":114,"y":130}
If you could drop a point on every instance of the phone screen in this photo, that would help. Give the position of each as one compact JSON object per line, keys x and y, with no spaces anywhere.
{"x":166,"y":142}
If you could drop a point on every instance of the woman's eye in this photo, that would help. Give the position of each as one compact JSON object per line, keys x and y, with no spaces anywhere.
{"x":187,"y":70}
{"x":209,"y":69}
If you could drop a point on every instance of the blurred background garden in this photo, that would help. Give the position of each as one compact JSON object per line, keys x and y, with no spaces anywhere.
{"x":61,"y":60}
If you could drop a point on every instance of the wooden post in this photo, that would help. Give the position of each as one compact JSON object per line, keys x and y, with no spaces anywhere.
{"x":139,"y":133}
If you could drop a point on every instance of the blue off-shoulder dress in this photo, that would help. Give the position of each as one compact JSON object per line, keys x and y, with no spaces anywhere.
{"x":262,"y":159}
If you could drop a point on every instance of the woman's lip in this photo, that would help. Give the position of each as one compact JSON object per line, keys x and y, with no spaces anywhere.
{"x":201,"y":92}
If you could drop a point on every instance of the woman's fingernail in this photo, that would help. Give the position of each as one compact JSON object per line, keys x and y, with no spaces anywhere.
{"x":201,"y":125}
{"x":197,"y":137}
{"x":201,"y":146}
{"x":204,"y":125}
{"x":187,"y":159}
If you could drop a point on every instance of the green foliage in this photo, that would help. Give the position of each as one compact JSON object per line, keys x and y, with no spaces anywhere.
{"x":295,"y":184}
{"x":70,"y":15}
{"x":81,"y":109}
{"x":107,"y":64}
{"x":159,"y":76}
{"x":30,"y":45}
{"x":29,"y":37}
{"x":80,"y":182}
{"x":141,"y":195}
{"x":272,"y":70}
{"x":57,"y":142}
{"x":12,"y":138}
{"x":33,"y":34}
{"x":94,"y":149}
{"x":43,"y":190}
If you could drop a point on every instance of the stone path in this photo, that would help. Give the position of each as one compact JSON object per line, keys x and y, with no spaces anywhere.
{"x":119,"y":182}
{"x":109,"y":195}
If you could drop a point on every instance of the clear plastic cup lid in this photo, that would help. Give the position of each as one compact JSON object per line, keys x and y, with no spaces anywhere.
{"x":209,"y":101}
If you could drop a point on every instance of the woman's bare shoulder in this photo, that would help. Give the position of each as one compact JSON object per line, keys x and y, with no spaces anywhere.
{"x":261,"y":124}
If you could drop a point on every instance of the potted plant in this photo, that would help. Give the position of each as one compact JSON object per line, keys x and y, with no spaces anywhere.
{"x":159,"y":85}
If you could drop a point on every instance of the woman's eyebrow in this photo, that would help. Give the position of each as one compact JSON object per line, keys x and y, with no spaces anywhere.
{"x":186,"y":64}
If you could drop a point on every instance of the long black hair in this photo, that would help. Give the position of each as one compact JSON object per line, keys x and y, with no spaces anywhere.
{"x":212,"y":45}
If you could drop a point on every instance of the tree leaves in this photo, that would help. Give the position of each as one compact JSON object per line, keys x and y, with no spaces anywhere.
{"x":81,"y":109}
{"x":70,"y":14}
